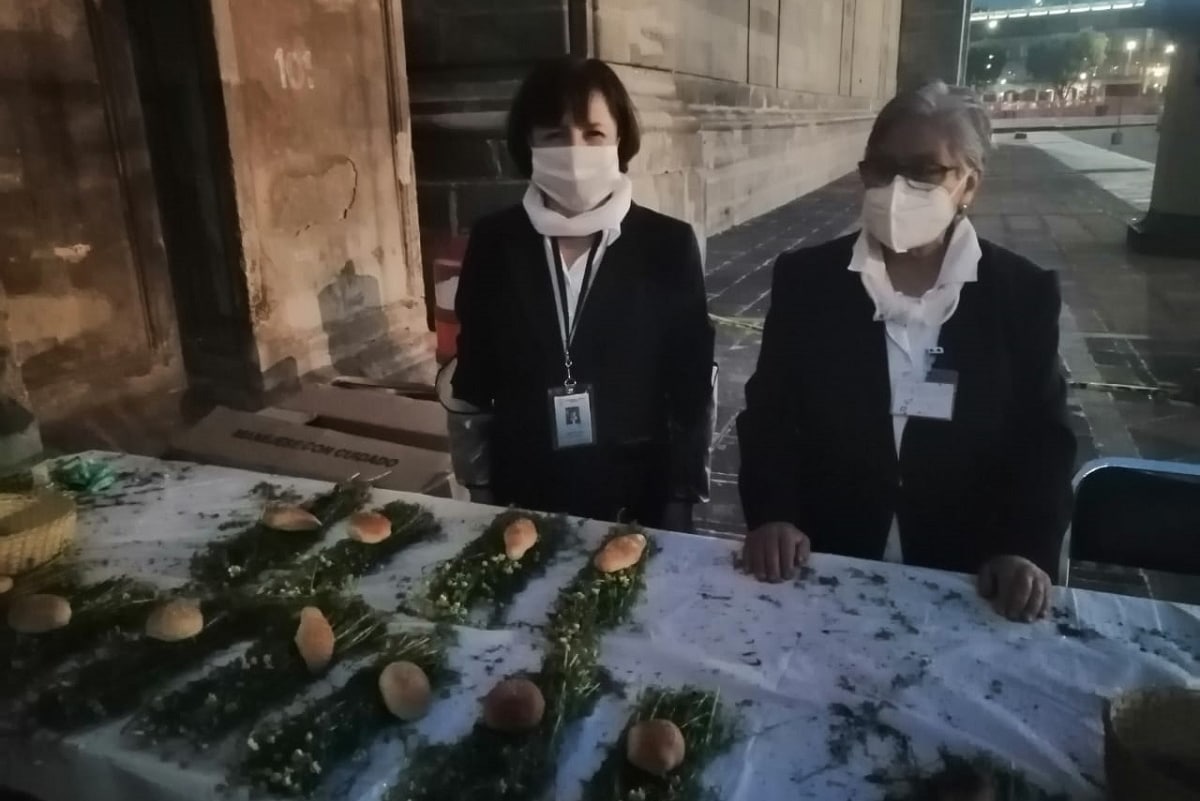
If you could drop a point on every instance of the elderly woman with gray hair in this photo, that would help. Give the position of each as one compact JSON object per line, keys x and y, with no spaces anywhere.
{"x":908,"y":403}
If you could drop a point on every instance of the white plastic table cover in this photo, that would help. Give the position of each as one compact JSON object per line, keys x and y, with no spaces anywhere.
{"x":950,"y":672}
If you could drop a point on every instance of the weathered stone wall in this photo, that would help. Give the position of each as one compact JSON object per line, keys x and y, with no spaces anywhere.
{"x":81,"y":259}
{"x":745,"y":104}
{"x":749,"y":103}
{"x":316,"y":106}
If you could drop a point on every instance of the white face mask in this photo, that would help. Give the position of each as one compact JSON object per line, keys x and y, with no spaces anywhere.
{"x":904,"y":217}
{"x":577,"y":178}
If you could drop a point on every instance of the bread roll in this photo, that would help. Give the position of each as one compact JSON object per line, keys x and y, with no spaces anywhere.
{"x":621,"y":552}
{"x":369,"y":527}
{"x":6,"y":584}
{"x":519,"y":536}
{"x":38,"y":613}
{"x":289,"y":517}
{"x":176,"y":620}
{"x":405,"y":690}
{"x":315,"y":639}
{"x":514,"y":705}
{"x":655,"y":746}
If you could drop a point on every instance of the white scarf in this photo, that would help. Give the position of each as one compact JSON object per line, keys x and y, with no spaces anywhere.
{"x":605,"y":217}
{"x":959,"y":266}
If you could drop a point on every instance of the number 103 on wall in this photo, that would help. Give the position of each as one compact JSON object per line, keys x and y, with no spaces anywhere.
{"x":295,"y":69}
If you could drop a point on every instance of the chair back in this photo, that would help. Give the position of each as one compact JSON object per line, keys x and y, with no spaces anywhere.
{"x":1138,"y":513}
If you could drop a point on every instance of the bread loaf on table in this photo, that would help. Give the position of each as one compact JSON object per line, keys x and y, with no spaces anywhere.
{"x":514,"y":705}
{"x":180,"y":619}
{"x":38,"y":613}
{"x":405,"y":690}
{"x":655,"y":746}
{"x":369,"y":527}
{"x":315,"y":639}
{"x":621,"y":552}
{"x":289,"y":517}
{"x":519,"y":536}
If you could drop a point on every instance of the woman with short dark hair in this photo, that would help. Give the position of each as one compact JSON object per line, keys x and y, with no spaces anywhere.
{"x":584,"y":376}
{"x":908,"y":403}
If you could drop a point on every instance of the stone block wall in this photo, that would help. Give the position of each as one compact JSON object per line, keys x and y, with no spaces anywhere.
{"x":88,"y":306}
{"x":745,"y":104}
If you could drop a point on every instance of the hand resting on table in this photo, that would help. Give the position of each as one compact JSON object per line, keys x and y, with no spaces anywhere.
{"x":1017,"y":588}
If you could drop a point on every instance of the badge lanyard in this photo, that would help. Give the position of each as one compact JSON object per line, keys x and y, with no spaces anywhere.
{"x":567,"y":324}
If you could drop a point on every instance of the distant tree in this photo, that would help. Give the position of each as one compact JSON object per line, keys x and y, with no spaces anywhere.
{"x":985,"y":65}
{"x":1059,"y":61}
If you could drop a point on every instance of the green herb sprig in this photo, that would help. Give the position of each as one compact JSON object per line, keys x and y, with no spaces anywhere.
{"x":482,"y":572}
{"x":101,"y":612}
{"x":519,"y":767}
{"x":238,"y":559}
{"x":116,"y":682}
{"x":963,"y":777}
{"x":292,"y":755}
{"x":270,"y":673}
{"x":707,"y":728}
{"x":335,"y":567}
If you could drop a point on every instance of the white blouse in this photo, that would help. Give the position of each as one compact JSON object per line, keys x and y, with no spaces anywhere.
{"x":914,"y":325}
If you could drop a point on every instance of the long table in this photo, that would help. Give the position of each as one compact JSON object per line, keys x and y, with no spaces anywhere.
{"x":915,"y":649}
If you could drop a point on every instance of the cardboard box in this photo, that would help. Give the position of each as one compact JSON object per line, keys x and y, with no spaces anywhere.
{"x":290,"y":447}
{"x":374,"y":413}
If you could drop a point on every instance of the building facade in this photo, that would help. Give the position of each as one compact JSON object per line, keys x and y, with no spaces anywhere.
{"x":232,"y":196}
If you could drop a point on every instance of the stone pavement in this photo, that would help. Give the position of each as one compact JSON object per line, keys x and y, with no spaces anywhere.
{"x":1128,"y":320}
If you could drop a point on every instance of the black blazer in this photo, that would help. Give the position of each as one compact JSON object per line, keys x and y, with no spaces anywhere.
{"x":816,"y":437}
{"x":644,"y":342}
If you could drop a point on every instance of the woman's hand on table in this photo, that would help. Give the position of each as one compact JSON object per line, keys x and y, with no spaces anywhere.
{"x":773,"y":551}
{"x":1018,"y":589}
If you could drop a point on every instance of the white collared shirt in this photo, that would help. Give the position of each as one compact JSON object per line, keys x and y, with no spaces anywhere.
{"x":913,"y":325}
{"x":574,"y":273}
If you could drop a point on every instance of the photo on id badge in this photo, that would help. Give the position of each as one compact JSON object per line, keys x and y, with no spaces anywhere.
{"x":572,"y":416}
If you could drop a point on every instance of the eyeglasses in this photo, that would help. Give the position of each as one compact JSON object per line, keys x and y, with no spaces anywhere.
{"x":918,"y":174}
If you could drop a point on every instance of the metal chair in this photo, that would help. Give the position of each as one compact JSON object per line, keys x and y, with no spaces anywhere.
{"x":1136,"y":513}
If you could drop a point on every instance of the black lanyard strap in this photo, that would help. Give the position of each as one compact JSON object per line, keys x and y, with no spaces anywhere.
{"x":569,"y":325}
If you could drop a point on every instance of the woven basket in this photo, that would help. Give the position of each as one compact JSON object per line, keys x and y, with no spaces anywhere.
{"x":34,"y":528}
{"x":1152,"y":745}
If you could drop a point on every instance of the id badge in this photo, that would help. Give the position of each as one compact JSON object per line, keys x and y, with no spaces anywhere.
{"x":571,"y":412}
{"x":931,"y":397}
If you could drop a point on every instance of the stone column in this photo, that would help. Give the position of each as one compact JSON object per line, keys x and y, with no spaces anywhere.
{"x":933,"y":41}
{"x":1172,"y":227}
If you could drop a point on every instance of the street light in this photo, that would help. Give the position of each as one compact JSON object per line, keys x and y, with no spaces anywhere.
{"x":1083,"y":76}
{"x":993,"y":24}
{"x":1169,"y":49}
{"x":1130,"y":46}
